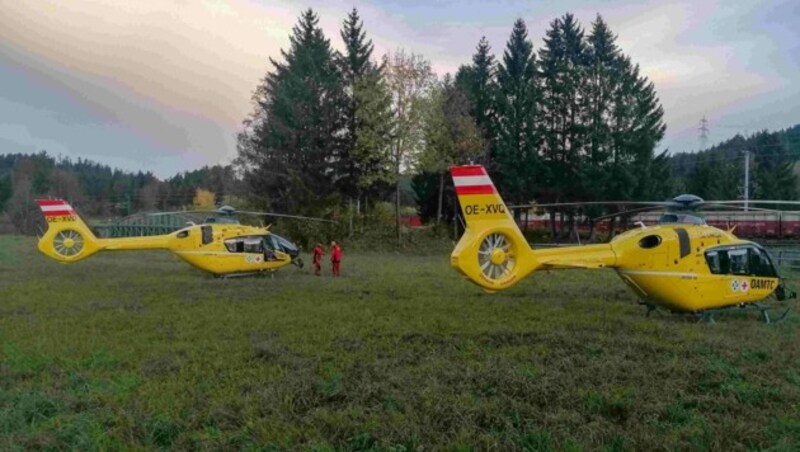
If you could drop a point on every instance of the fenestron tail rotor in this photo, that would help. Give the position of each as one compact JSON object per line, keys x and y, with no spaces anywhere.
{"x":68,"y":242}
{"x":492,"y":253}
{"x":496,"y":257}
{"x":67,"y":238}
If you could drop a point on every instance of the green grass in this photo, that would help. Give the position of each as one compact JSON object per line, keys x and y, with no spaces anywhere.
{"x":139,"y":350}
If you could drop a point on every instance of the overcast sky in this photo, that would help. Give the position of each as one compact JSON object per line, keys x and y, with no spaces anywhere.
{"x":163,"y":85}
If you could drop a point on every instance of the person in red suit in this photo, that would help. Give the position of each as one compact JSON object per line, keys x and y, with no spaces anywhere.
{"x":317,"y":258}
{"x":336,"y":258}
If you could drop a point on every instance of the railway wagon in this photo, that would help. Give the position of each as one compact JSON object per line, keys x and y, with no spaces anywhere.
{"x":747,"y":224}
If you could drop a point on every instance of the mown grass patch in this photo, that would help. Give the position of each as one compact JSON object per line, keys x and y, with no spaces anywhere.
{"x":139,"y":350}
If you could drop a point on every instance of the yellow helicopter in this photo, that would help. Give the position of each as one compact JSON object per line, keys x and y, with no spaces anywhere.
{"x":681,"y":264}
{"x":220,"y":245}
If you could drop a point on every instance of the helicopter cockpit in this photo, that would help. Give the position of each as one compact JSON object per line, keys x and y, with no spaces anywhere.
{"x":744,"y":260}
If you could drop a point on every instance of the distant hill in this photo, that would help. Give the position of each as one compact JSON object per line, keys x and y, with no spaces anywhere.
{"x":718,"y":172}
{"x":99,"y":190}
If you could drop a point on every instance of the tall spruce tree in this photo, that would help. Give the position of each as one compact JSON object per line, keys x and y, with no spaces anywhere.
{"x":291,"y":141}
{"x":517,"y":98}
{"x":477,"y":81}
{"x":563,"y":110}
{"x":636,"y":128}
{"x":363,"y":160}
{"x":371,"y":151}
{"x":602,"y":79}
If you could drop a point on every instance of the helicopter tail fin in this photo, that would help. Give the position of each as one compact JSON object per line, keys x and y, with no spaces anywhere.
{"x":492,"y":253}
{"x":68,"y":238}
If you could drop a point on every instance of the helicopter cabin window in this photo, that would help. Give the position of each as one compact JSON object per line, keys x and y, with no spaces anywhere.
{"x":249,"y":244}
{"x":651,"y":241}
{"x":253,"y":245}
{"x":740,"y":261}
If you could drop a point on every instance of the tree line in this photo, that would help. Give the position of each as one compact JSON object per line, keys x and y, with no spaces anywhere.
{"x":100,"y":191}
{"x":718,"y":172}
{"x":573,"y":119}
{"x":342,"y":134}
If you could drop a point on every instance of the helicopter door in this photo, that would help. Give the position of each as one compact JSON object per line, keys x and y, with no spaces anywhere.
{"x":207,"y":234}
{"x":270,"y":246}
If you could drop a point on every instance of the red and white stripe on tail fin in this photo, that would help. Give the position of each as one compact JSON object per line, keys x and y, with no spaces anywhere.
{"x":477,"y":195}
{"x":68,"y":238}
{"x":472,"y":180}
{"x":52,"y":208}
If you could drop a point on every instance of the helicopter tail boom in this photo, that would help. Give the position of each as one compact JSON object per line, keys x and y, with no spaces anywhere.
{"x":492,"y":253}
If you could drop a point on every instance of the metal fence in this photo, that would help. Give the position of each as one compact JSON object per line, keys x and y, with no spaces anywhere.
{"x":140,"y":225}
{"x":787,"y":258}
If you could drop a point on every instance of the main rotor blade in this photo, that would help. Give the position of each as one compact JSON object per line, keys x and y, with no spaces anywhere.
{"x":283,"y":215}
{"x":755,"y":201}
{"x":596,"y":203}
{"x":178,"y":212}
{"x":733,"y":206}
{"x":626,"y":212}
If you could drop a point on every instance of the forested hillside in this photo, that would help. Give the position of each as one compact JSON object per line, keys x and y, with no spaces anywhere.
{"x":97,"y":190}
{"x":718,"y":172}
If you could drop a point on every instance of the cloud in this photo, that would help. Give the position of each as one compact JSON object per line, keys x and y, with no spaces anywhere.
{"x":200,"y":57}
{"x":177,"y":76}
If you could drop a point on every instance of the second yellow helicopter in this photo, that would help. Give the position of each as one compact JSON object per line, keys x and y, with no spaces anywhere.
{"x":682,"y":264}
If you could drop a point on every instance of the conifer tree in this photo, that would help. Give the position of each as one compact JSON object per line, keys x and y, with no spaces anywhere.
{"x":563,"y":110}
{"x":516,"y":139}
{"x":477,"y":81}
{"x":602,"y":79}
{"x":774,"y":167}
{"x":291,"y":141}
{"x":364,"y":157}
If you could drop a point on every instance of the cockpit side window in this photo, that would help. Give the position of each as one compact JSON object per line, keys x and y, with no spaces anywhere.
{"x":718,"y":262}
{"x":750,"y":261}
{"x":760,"y":263}
{"x":739,"y":262}
{"x":712,"y":258}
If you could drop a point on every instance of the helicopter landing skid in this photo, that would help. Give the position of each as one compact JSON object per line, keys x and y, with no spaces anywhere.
{"x":708,"y":315}
{"x":241,"y":274}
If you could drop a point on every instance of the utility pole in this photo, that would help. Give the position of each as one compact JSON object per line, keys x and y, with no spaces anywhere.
{"x":703,"y":132}
{"x":746,"y":178}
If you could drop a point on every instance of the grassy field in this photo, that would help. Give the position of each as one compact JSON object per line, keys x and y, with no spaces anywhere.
{"x":139,"y":350}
